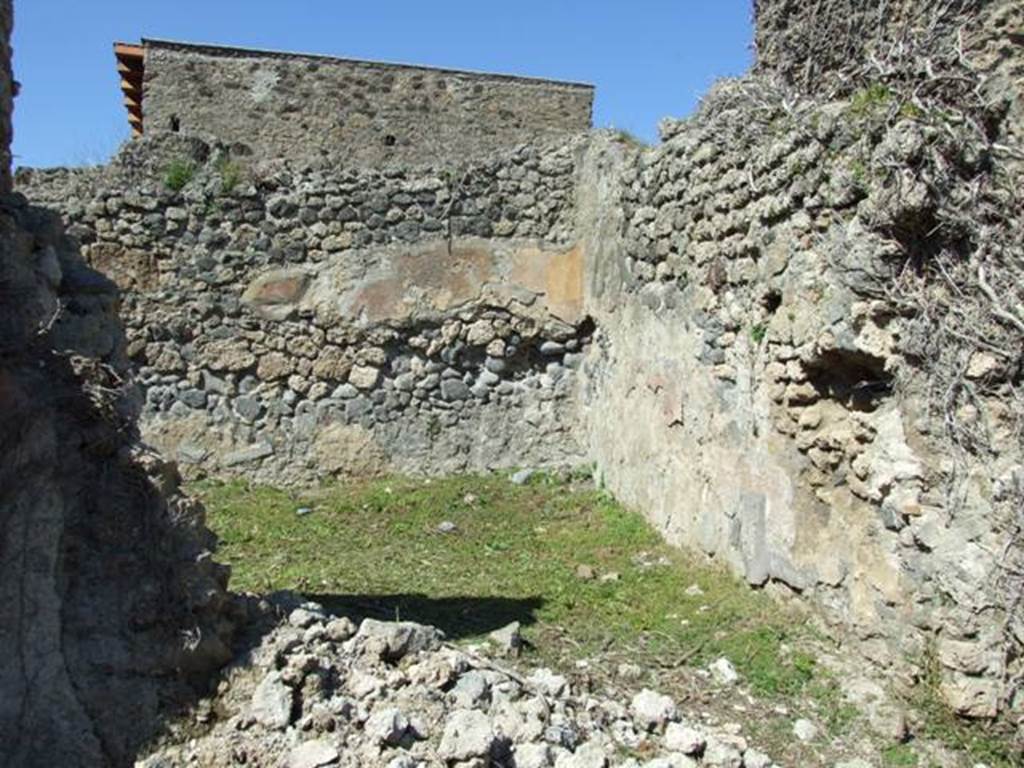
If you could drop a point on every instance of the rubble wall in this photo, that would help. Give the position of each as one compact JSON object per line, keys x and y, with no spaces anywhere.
{"x":302,"y":325}
{"x":790,"y":333}
{"x":111,"y":607}
{"x":763,"y":382}
{"x":305,"y":108}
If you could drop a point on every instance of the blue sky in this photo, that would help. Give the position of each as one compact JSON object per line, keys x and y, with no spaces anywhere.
{"x":648,"y":58}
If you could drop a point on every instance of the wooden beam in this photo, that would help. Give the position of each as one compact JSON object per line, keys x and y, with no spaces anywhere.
{"x":128,"y":50}
{"x":131,"y":69}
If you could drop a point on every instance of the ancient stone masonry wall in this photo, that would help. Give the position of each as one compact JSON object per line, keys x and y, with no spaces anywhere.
{"x":306,"y":107}
{"x":346,"y":322}
{"x":757,"y":383}
{"x":6,"y":97}
{"x":790,"y":333}
{"x":110,"y":603}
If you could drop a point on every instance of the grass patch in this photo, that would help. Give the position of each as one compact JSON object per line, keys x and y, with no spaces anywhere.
{"x":758,"y":332}
{"x":231,"y":174}
{"x":582,"y":574}
{"x":899,"y":756}
{"x":179,"y":173}
{"x":991,"y":744}
{"x":837,"y":714}
{"x":867,"y":100}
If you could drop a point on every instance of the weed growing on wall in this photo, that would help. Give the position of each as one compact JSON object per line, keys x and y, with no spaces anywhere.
{"x":231,"y":174}
{"x":178,"y":174}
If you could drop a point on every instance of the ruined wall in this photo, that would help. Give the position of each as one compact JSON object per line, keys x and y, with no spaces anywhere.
{"x":305,"y":108}
{"x":835,"y":47}
{"x":305,"y":325}
{"x":790,"y":334}
{"x":109,"y":599}
{"x":6,"y":96}
{"x":817,"y":45}
{"x":777,"y":378}
{"x":808,"y":301}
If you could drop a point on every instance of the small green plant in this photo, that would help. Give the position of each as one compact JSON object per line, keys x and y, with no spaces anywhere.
{"x":991,"y":744}
{"x":631,"y":139}
{"x":899,"y":756}
{"x":868,"y":100}
{"x":836,"y":712}
{"x":178,"y":174}
{"x":231,"y":174}
{"x":212,"y":209}
{"x":910,"y":111}
{"x":758,"y":332}
{"x":859,"y":172}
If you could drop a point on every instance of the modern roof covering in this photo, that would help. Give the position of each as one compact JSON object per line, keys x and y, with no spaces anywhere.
{"x":130,"y":70}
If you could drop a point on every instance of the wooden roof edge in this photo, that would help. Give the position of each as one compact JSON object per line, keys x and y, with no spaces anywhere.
{"x":130,"y":66}
{"x":128,"y":50}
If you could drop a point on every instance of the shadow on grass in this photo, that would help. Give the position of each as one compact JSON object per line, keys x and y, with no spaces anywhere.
{"x":458,"y":617}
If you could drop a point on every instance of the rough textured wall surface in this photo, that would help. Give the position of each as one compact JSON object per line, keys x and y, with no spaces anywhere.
{"x":109,"y":601}
{"x":6,"y":95}
{"x":306,"y":108}
{"x":834,"y":46}
{"x":347,"y":322}
{"x":812,"y":43}
{"x":809,"y":314}
{"x":109,"y":595}
{"x":768,"y":292}
{"x":791,"y":333}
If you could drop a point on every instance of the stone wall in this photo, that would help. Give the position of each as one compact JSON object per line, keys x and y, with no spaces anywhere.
{"x":6,"y":95}
{"x":773,"y":333}
{"x":758,"y":387}
{"x":110,"y":604}
{"x":305,"y":108}
{"x":346,"y":322}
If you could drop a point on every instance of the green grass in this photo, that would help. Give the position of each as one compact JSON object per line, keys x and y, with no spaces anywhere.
{"x":231,"y":174}
{"x":179,"y":173}
{"x":758,"y":332}
{"x":373,"y":549}
{"x":838,"y":715}
{"x":867,"y":100}
{"x":991,"y":744}
{"x":899,"y":756}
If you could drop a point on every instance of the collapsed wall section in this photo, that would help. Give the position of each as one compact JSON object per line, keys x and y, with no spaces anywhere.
{"x":304,"y":325}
